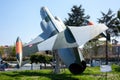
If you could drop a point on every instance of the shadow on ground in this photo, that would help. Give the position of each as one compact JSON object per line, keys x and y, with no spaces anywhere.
{"x":49,"y":75}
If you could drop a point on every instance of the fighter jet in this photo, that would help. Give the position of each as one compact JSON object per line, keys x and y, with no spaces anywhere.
{"x":64,"y":39}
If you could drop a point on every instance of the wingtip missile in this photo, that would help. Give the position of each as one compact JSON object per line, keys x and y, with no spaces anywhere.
{"x":19,"y":51}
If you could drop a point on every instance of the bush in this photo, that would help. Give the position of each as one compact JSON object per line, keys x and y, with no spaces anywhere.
{"x":9,"y":59}
{"x":40,"y":58}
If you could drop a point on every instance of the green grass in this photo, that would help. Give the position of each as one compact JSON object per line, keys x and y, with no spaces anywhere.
{"x":91,"y":73}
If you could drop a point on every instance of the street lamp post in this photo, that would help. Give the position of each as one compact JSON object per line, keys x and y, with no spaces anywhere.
{"x":107,"y":39}
{"x":106,"y":51}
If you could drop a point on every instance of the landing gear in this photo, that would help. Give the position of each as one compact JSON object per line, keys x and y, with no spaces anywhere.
{"x":77,"y":68}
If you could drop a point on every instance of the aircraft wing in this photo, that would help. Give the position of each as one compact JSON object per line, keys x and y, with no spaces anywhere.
{"x":60,"y":40}
{"x":72,"y":37}
{"x":31,"y":47}
{"x":86,"y":33}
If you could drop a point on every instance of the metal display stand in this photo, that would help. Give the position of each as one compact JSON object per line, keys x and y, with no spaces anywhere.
{"x":56,"y":67}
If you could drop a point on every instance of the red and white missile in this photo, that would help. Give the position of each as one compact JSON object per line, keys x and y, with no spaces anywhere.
{"x":19,"y":51}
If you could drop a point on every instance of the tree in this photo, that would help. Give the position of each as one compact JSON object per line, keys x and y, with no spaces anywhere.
{"x":44,"y":59}
{"x":34,"y":58}
{"x":13,"y":53}
{"x":1,"y":51}
{"x":91,"y":48}
{"x":41,"y":58}
{"x":77,"y":17}
{"x":118,"y":14}
{"x":118,"y":22}
{"x":112,"y":22}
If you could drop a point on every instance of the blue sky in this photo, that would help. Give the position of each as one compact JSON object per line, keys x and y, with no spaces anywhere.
{"x":22,"y":17}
